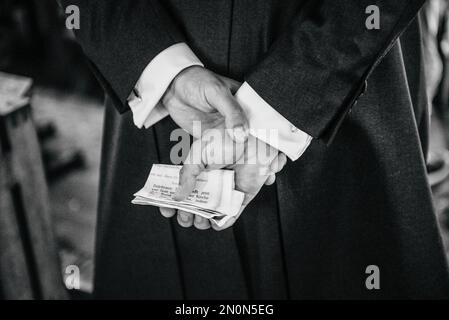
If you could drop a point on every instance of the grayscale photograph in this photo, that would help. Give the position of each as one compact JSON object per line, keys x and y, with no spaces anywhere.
{"x":220,"y":158}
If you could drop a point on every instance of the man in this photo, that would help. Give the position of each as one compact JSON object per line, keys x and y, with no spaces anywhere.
{"x":355,"y":194}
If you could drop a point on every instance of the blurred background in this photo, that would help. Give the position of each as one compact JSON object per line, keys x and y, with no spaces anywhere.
{"x":67,"y":107}
{"x":67,"y":114}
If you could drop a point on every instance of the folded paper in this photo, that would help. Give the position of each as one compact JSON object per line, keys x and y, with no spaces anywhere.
{"x":214,"y":196}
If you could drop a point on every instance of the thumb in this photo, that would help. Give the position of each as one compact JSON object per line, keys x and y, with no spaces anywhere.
{"x":192,"y":168}
{"x":211,"y":151}
{"x":235,"y":118}
{"x":187,"y":180}
{"x":194,"y":164}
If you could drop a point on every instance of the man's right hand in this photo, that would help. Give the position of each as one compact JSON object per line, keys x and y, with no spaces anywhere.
{"x":197,"y":94}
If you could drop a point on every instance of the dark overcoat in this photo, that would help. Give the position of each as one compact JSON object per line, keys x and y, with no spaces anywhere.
{"x":358,"y":196}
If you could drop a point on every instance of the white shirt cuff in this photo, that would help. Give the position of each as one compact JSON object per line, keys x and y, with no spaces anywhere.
{"x":154,"y":81}
{"x":265,"y":122}
{"x":270,"y":126}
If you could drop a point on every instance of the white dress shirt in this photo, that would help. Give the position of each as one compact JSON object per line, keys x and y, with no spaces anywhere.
{"x":265,"y":123}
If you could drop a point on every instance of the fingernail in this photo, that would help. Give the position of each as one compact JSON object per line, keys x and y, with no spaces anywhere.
{"x":240,"y":134}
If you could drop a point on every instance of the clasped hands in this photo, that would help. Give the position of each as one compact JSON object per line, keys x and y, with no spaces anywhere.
{"x":199,"y":96}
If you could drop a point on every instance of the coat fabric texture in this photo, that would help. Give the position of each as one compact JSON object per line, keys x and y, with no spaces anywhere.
{"x":359,"y":195}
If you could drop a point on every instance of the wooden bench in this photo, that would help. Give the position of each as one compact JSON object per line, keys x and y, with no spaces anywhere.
{"x":29,"y":263}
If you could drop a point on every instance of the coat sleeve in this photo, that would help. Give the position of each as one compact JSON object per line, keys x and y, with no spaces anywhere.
{"x":315,"y":71}
{"x":120,"y":38}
